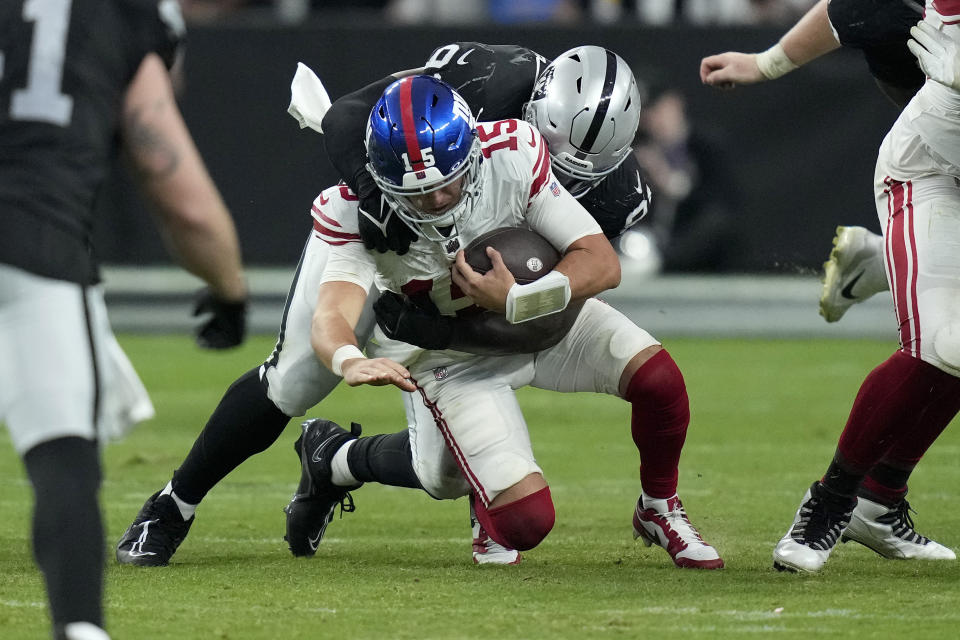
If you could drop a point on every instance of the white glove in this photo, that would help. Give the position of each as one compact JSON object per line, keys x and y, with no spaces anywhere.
{"x":937,"y":53}
{"x":308,"y":99}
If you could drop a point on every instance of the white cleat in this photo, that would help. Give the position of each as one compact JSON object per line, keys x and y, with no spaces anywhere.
{"x":854,"y":272}
{"x":664,"y":522}
{"x":816,"y":529}
{"x":486,"y":551}
{"x":889,"y":532}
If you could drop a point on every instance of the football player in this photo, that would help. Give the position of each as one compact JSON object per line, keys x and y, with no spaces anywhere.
{"x":258,"y":406}
{"x":466,"y":433}
{"x":76,"y":78}
{"x":908,"y":400}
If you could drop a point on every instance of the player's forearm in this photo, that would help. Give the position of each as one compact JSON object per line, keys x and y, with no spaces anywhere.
{"x":338,"y":309}
{"x":490,"y":334}
{"x":811,"y":37}
{"x":194,"y":220}
{"x":591,"y":265}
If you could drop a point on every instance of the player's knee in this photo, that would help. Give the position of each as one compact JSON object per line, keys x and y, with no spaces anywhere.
{"x":524,"y":523}
{"x":658,"y":381}
{"x":946,"y":345}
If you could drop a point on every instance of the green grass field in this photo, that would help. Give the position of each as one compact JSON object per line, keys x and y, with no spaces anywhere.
{"x":766,"y":416}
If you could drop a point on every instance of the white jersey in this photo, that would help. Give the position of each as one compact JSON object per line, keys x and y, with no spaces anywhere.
{"x":517,"y":189}
{"x":925,"y":140}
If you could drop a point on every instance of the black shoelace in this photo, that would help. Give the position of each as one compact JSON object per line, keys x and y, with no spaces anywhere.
{"x":902,"y":524}
{"x":820,"y":522}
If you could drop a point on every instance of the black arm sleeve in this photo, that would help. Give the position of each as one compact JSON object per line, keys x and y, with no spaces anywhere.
{"x":490,"y":334}
{"x":344,"y":127}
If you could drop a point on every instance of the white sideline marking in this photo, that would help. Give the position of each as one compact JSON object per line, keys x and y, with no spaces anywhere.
{"x":22,"y":605}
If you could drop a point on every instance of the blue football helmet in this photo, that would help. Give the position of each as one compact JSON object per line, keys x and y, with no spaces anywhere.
{"x":421,"y":136}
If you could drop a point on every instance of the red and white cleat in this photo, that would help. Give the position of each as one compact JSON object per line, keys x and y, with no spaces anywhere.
{"x":664,"y":522}
{"x":486,"y":551}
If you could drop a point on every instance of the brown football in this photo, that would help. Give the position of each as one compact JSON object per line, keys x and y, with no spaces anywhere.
{"x":526,"y":253}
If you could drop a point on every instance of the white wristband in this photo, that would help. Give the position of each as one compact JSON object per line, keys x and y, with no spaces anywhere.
{"x":549,"y":294}
{"x":774,"y":62}
{"x":346,"y":352}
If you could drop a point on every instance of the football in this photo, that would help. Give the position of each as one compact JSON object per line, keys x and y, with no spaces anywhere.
{"x":526,"y":253}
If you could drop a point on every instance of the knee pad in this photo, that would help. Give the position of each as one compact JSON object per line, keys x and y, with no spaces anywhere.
{"x":658,"y":381}
{"x":521,"y":524}
{"x":946,"y":346}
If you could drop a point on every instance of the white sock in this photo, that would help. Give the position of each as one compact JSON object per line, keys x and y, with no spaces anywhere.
{"x":84,"y":631}
{"x":186,"y":509}
{"x":339,"y":469}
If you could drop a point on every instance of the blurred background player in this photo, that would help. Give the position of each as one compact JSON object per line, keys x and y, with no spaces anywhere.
{"x":689,"y":227}
{"x":65,"y":385}
{"x":892,"y":422}
{"x":854,"y":271}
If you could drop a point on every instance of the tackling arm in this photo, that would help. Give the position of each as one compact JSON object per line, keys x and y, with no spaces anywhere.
{"x":486,"y":333}
{"x":338,"y":309}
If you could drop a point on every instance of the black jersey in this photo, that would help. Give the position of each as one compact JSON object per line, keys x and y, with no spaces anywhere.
{"x":880,"y":28}
{"x":66,"y":66}
{"x":496,"y":81}
{"x":620,"y":200}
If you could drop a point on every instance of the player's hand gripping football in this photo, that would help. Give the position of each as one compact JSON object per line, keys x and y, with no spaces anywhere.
{"x":377,"y":372}
{"x":727,"y":70}
{"x":937,"y":53}
{"x":223,"y":324}
{"x":488,"y":290}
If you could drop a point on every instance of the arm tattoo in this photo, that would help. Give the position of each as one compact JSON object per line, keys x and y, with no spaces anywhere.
{"x":155,"y":157}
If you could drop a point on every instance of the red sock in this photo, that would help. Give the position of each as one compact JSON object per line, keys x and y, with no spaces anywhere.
{"x":902,"y":406}
{"x":661,"y":413}
{"x":887,"y":480}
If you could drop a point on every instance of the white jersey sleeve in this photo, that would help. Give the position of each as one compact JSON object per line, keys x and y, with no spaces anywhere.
{"x":335,"y":222}
{"x":519,"y":155}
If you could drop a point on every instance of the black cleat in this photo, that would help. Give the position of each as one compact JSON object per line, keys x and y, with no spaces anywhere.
{"x":155,"y":534}
{"x":316,"y":499}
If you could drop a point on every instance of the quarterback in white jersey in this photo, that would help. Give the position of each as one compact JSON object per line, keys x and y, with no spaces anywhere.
{"x":452,"y":181}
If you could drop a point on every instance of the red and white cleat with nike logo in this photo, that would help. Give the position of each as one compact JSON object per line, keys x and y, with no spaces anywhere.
{"x":663,"y":521}
{"x":853,"y":273}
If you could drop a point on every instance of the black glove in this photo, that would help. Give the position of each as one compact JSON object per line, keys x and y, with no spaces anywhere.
{"x":400,"y":319}
{"x":226,"y":325}
{"x":380,"y":227}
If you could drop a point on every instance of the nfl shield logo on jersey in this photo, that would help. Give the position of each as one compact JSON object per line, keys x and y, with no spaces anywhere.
{"x":440,"y":373}
{"x":554,"y":189}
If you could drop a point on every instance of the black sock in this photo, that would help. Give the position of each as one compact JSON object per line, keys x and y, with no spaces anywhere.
{"x":68,"y":528}
{"x":840,"y":479}
{"x":385,"y":459}
{"x":245,"y":423}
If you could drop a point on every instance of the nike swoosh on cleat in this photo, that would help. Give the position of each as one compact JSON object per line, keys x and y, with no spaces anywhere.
{"x":847,"y":291}
{"x":314,"y":542}
{"x":316,"y":452}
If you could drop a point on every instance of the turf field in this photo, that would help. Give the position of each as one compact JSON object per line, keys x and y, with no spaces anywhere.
{"x":766,"y":416}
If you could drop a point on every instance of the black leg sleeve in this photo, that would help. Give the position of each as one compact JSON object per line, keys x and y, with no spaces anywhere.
{"x":68,"y":528}
{"x":245,"y":423}
{"x":385,"y":459}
